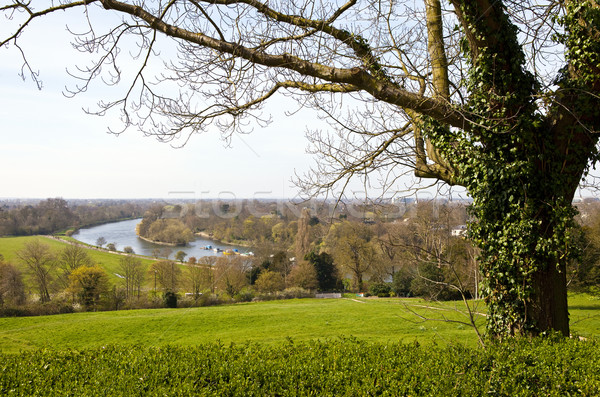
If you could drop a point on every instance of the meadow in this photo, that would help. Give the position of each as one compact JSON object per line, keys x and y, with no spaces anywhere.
{"x":387,"y":320}
{"x":10,"y":246}
{"x":352,"y":346}
{"x":380,"y":320}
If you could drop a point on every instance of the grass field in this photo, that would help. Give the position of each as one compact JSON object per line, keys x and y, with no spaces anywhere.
{"x":9,"y":246}
{"x":273,"y":322}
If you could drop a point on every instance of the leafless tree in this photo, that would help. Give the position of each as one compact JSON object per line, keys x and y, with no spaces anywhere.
{"x":40,"y":263}
{"x":12,"y":288}
{"x":132,"y":271}
{"x":71,"y":257}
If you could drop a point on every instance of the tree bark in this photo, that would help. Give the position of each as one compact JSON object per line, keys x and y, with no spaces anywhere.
{"x":549,"y":309}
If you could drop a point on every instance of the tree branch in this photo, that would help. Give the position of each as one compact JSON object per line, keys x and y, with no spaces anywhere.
{"x":382,"y":90}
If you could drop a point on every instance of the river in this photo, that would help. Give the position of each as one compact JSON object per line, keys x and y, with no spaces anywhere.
{"x":122,"y":234}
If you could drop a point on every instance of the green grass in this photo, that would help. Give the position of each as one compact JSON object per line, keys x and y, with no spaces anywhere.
{"x":585,"y":315}
{"x":274,"y":322}
{"x":270,"y":322}
{"x":9,"y":246}
{"x":371,"y":320}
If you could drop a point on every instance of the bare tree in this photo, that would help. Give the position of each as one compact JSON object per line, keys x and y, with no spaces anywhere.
{"x":12,"y":288}
{"x":71,"y":257}
{"x":230,"y":274}
{"x":40,"y":263}
{"x":132,"y":271}
{"x":167,"y":274}
{"x":199,"y":278}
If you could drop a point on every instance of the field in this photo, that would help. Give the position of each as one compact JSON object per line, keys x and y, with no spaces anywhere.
{"x":308,"y":347}
{"x":352,"y":346}
{"x":273,"y":322}
{"x":9,"y":246}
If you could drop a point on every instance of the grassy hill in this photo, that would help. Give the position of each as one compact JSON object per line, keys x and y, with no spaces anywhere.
{"x":274,"y":322}
{"x":9,"y":246}
{"x":372,"y":320}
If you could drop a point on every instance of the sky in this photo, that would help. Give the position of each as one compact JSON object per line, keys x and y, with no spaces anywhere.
{"x":52,"y":148}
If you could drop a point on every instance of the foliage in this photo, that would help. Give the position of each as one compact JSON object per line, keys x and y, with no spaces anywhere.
{"x":351,"y":246}
{"x":170,"y":299}
{"x":381,"y":290}
{"x":156,"y":227}
{"x":521,"y":208}
{"x":583,"y":273}
{"x":46,"y":217}
{"x":180,"y":256}
{"x":89,"y":284}
{"x":401,"y":283}
{"x":56,"y":214}
{"x":269,"y":281}
{"x":343,"y":367}
{"x":430,"y":283}
{"x":304,"y":276}
{"x":326,"y":271}
{"x":128,"y":250}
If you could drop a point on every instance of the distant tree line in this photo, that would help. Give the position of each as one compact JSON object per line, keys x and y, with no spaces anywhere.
{"x":56,"y":214}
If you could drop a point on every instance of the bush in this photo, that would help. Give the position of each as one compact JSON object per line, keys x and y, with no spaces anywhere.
{"x":128,"y":250}
{"x":244,"y":296}
{"x":381,"y":290}
{"x":295,"y":293}
{"x":345,"y":367}
{"x":401,"y":283}
{"x":37,"y":309}
{"x":170,"y":299}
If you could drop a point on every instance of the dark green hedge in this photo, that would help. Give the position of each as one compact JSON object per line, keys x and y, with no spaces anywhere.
{"x":342,"y":368}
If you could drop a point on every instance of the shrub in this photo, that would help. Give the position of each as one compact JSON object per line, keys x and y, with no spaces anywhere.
{"x":381,"y":290}
{"x":345,"y":367}
{"x":170,"y":299}
{"x":295,"y":293}
{"x":37,"y":309}
{"x":128,"y":250}
{"x":244,"y":296}
{"x":401,"y":283}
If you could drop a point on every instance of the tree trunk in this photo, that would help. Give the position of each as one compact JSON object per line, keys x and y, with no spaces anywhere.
{"x":549,"y":303}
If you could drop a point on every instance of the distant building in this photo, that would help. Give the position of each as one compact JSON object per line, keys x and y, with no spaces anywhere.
{"x":459,"y":231}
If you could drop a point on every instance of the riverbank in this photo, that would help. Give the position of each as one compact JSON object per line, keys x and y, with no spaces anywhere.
{"x":161,"y":242}
{"x":209,"y":236}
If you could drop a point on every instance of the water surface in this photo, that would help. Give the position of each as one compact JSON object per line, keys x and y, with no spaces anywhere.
{"x":122,"y":234}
